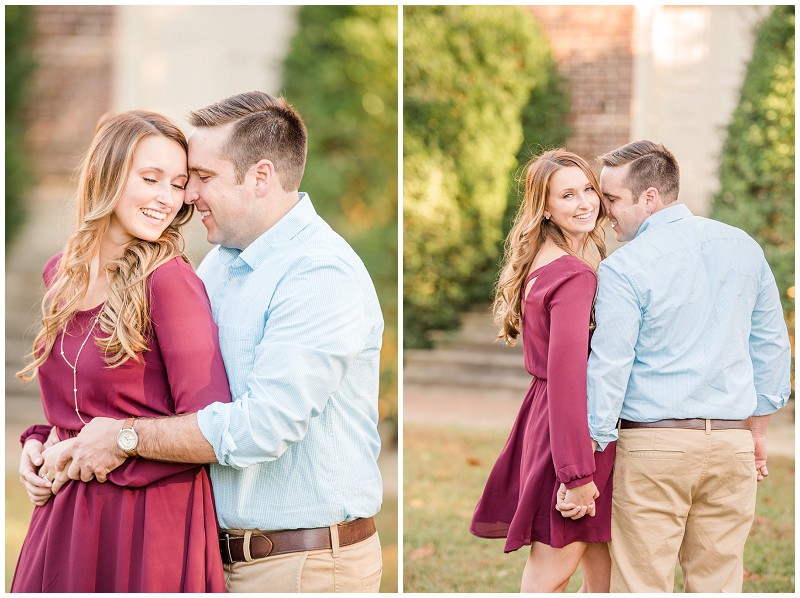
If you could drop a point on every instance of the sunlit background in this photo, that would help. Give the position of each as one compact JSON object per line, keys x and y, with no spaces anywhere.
{"x":485,"y":88}
{"x":68,"y":65}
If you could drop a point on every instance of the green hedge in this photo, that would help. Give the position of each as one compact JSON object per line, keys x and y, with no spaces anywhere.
{"x":757,"y":167}
{"x":341,"y":75}
{"x":19,"y":67}
{"x":469,"y":71}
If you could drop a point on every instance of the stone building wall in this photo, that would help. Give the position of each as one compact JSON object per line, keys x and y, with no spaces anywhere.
{"x":593,"y":49}
{"x":71,"y":87}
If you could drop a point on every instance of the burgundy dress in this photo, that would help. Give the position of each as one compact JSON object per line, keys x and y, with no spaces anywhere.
{"x":549,"y":442}
{"x":151,"y":527}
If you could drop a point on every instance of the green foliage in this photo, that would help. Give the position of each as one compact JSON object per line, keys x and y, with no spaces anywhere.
{"x":341,"y":76}
{"x":19,"y":67}
{"x":757,"y":168}
{"x":468,"y":74}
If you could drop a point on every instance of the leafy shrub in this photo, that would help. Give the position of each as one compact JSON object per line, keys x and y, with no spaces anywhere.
{"x":19,"y":67}
{"x":468,"y":74}
{"x":341,"y":76}
{"x":757,"y":166}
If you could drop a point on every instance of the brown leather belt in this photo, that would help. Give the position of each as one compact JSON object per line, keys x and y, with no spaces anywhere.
{"x":293,"y":540}
{"x":687,"y":424}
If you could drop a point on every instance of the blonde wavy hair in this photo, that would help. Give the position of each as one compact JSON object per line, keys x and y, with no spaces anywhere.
{"x":529,"y":233}
{"x":125,"y":316}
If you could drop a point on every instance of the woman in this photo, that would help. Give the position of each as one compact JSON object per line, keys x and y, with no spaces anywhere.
{"x":546,"y":290}
{"x":126,"y":332}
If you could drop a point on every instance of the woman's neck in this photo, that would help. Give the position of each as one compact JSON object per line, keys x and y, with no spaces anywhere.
{"x":110,"y":249}
{"x":575,"y":244}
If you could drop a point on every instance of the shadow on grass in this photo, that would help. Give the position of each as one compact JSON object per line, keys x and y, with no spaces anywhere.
{"x":19,"y":509}
{"x":445,"y":470}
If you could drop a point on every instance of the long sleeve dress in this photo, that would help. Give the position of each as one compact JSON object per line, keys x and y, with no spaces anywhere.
{"x":151,"y":527}
{"x":549,"y":443}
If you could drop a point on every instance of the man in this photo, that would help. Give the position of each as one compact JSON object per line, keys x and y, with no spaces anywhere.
{"x":294,"y":472}
{"x":690,"y":351}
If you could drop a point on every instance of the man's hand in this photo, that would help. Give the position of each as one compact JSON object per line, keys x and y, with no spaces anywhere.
{"x":48,"y":469}
{"x":760,"y":443}
{"x":37,"y":488}
{"x":758,"y":428}
{"x":577,"y":502}
{"x":94,"y":452}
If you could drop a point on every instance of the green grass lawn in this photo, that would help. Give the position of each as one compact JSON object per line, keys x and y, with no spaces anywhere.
{"x":444,"y":472}
{"x":19,"y":509}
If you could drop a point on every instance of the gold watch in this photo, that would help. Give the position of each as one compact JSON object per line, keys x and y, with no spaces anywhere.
{"x":128,"y":439}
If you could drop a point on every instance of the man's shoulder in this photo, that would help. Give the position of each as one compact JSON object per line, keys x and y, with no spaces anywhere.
{"x":321,"y":244}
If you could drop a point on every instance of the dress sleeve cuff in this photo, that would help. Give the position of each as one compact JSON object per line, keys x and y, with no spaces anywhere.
{"x":579,"y":481}
{"x":38,"y":432}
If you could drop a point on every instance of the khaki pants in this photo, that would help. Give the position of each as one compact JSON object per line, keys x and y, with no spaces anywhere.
{"x":686,"y":495}
{"x":354,"y":568}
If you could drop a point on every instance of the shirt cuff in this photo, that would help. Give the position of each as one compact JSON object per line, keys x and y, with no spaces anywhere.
{"x":212,"y":425}
{"x":767,"y":404}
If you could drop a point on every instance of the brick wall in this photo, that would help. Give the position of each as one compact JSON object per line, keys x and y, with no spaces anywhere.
{"x":593,"y":48}
{"x":71,"y":87}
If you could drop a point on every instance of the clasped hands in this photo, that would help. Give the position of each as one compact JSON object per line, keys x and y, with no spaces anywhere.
{"x":45,"y":468}
{"x":574,"y":503}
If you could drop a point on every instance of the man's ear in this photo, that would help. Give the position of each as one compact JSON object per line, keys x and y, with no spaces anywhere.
{"x":264,"y":171}
{"x":652,"y":199}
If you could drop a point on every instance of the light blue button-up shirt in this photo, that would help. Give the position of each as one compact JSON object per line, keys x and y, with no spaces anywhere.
{"x":689,"y":325}
{"x":300,"y":330}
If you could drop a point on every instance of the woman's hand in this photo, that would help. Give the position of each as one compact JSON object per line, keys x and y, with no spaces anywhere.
{"x":37,"y":488}
{"x":48,"y":470}
{"x":577,"y":502}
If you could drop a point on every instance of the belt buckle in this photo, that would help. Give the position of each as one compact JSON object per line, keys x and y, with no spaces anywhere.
{"x":228,"y":546}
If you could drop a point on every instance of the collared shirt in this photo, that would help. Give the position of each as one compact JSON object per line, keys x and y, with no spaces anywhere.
{"x":300,"y":330}
{"x":689,"y":325}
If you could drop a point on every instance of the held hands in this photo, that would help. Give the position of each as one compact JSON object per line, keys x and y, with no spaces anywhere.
{"x":48,"y":471}
{"x":94,"y":452}
{"x":37,"y":487}
{"x":577,"y":502}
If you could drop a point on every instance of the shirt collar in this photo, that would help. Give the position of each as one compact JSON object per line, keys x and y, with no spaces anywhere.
{"x":665,"y":216}
{"x":294,"y":221}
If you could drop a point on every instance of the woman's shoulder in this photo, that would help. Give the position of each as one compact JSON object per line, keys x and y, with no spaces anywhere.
{"x":51,"y":268}
{"x":564,"y":265}
{"x":571,"y":274}
{"x":571,"y":265}
{"x":174,"y":272}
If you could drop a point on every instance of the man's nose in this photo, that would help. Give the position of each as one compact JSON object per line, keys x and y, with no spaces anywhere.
{"x":191,"y":195}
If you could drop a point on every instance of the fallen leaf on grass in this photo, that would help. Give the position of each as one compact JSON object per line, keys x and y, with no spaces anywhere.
{"x":474,"y":461}
{"x":423,"y":552}
{"x":751,"y":576}
{"x":417,"y":503}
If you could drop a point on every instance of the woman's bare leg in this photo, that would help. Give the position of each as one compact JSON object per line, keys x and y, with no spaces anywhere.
{"x":548,"y":569}
{"x":596,"y":567}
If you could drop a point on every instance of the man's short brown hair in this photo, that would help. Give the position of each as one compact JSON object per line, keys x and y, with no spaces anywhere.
{"x":651,"y":165}
{"x":264,"y":127}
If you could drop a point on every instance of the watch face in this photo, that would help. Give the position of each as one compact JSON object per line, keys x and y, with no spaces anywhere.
{"x":127,"y":439}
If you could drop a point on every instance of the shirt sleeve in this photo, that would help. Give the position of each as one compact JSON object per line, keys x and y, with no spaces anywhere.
{"x":619,"y":319}
{"x":770,"y":351}
{"x":316,"y":325}
{"x":188,"y":340}
{"x":570,"y":307}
